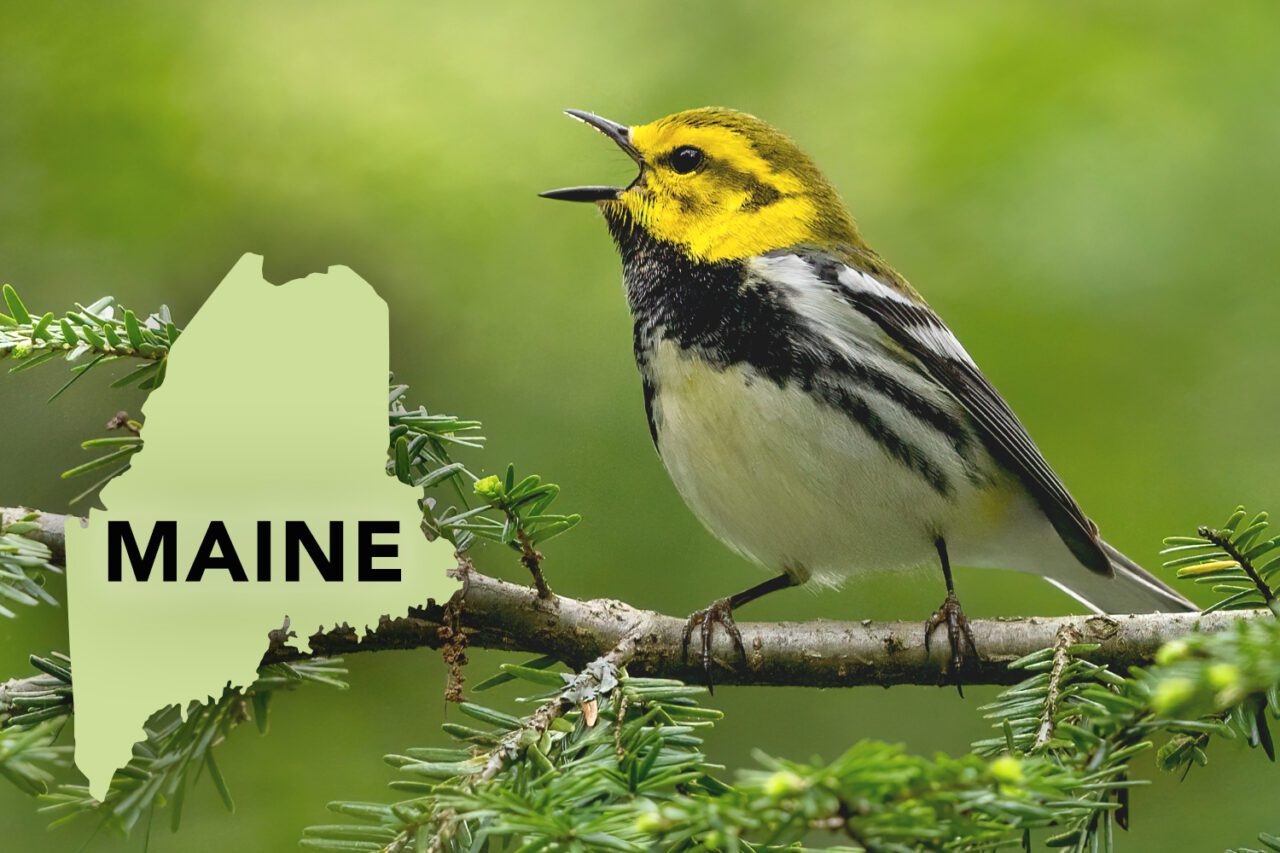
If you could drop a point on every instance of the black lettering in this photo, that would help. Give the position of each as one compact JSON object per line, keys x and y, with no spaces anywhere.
{"x":164,"y":534}
{"x":367,"y":551}
{"x":264,"y":550}
{"x":329,"y":565}
{"x":217,"y":536}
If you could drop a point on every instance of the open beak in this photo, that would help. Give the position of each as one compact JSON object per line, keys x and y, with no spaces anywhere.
{"x":621,"y":135}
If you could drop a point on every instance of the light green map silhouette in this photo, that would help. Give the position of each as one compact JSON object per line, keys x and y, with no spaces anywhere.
{"x":274,"y":408}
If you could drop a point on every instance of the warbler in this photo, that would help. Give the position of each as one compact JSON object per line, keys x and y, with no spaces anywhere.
{"x":811,"y":409}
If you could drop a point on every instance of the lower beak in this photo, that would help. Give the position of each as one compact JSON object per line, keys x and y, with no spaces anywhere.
{"x":621,"y":135}
{"x":583,"y":194}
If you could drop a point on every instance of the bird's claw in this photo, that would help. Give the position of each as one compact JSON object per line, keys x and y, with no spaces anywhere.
{"x":959,"y":634}
{"x":719,"y":611}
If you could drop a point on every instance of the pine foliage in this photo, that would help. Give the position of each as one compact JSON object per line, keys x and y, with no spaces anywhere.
{"x":1058,"y":770}
{"x":177,"y":748}
{"x":606,"y":761}
{"x":25,"y":566}
{"x":1237,"y":559}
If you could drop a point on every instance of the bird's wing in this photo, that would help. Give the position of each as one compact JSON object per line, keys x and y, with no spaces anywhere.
{"x":914,"y":327}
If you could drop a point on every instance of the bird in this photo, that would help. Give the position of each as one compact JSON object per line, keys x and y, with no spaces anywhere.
{"x":811,"y":409}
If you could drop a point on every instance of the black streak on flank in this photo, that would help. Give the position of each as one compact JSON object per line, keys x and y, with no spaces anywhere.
{"x":1004,"y":435}
{"x":649,"y":392}
{"x":842,"y":398}
{"x":719,"y":313}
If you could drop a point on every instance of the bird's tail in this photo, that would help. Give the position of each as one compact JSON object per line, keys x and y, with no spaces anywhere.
{"x":1132,"y":589}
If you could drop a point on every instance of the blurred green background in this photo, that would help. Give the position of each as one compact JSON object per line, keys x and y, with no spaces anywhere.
{"x":1086,"y":192}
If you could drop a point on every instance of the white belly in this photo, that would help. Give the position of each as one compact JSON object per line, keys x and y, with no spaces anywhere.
{"x":797,"y":485}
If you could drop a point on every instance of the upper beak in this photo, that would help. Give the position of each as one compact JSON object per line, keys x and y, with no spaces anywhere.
{"x":621,"y":135}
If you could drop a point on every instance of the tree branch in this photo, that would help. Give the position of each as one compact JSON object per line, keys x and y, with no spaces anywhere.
{"x":500,"y":615}
{"x":50,"y":532}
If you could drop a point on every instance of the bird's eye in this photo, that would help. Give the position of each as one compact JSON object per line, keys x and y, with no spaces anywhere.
{"x":686,"y":158}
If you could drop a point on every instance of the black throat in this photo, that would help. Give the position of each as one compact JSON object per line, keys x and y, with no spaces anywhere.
{"x":726,"y":316}
{"x":714,"y":308}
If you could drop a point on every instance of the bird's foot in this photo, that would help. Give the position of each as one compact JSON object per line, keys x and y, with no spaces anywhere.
{"x":959,"y":635}
{"x":720,"y":611}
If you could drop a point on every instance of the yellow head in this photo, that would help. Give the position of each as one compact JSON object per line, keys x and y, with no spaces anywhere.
{"x":721,"y":185}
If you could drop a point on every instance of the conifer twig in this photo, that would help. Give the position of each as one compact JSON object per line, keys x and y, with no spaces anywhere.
{"x":1067,"y":637}
{"x":1225,"y":542}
